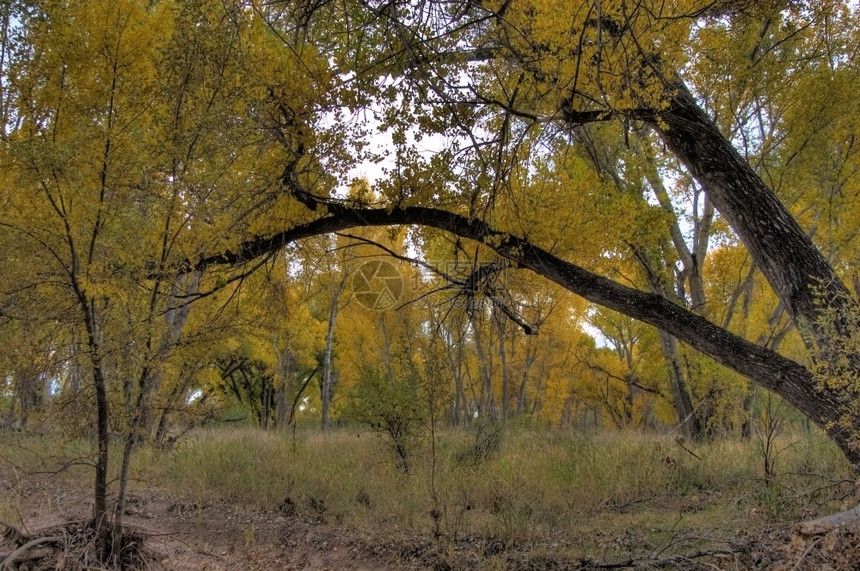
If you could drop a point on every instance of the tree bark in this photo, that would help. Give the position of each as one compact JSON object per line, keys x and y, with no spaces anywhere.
{"x":454,"y":355}
{"x":503,"y":365}
{"x":849,"y":518}
{"x":689,"y":423}
{"x":487,"y":404}
{"x":326,"y":388}
{"x":100,"y":511}
{"x":794,"y":267}
{"x":530,"y":357}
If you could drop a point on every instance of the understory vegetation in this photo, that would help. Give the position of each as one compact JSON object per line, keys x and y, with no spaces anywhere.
{"x":528,"y":487}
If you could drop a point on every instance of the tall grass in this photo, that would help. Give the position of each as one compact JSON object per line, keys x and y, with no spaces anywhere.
{"x":521,"y":486}
{"x":536,"y":483}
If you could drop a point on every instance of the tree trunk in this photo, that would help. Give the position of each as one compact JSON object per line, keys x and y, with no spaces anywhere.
{"x":100,"y":511}
{"x":281,"y":407}
{"x":529,"y":358}
{"x":455,"y":363}
{"x":503,"y":365}
{"x":521,"y":392}
{"x":848,"y":519}
{"x":487,"y":404}
{"x":386,"y":354}
{"x":326,"y":387}
{"x":794,"y":267}
{"x":689,"y":422}
{"x":171,"y":404}
{"x":749,"y":411}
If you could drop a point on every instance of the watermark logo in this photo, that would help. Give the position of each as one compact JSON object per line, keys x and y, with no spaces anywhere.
{"x":377,"y":285}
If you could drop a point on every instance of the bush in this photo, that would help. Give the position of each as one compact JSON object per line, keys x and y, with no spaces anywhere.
{"x":393,"y":410}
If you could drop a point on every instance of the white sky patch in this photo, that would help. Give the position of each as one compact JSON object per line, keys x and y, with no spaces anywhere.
{"x":381,"y":141}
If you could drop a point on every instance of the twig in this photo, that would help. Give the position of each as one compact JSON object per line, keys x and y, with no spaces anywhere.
{"x":299,"y":396}
{"x":687,"y":450}
{"x":812,"y":545}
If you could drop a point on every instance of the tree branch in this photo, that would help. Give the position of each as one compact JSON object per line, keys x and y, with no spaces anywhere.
{"x":765,"y":367}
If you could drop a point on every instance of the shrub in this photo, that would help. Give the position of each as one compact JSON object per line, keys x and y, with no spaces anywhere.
{"x":393,"y":410}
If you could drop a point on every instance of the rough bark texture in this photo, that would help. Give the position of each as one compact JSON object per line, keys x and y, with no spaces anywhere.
{"x":792,"y":264}
{"x":767,"y":368}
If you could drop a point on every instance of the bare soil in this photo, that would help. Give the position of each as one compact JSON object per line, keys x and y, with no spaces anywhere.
{"x":182,"y":535}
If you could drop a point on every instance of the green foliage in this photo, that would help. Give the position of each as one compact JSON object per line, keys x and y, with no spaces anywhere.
{"x":392,"y":409}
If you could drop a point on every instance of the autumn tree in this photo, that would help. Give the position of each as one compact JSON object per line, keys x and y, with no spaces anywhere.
{"x":127,"y":129}
{"x":156,"y":155}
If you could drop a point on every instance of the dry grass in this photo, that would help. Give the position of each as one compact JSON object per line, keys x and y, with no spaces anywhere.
{"x":538,"y":484}
{"x":608,"y":494}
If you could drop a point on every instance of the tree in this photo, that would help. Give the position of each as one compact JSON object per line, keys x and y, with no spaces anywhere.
{"x":331,"y":264}
{"x":526,"y":83}
{"x":155,"y":155}
{"x":127,"y":127}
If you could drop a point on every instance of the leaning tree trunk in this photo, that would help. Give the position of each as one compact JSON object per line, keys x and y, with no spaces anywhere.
{"x":803,"y":279}
{"x":769,"y":369}
{"x":799,"y":273}
{"x":688,"y":421}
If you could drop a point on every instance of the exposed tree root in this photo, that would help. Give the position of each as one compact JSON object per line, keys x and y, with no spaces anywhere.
{"x":70,"y":546}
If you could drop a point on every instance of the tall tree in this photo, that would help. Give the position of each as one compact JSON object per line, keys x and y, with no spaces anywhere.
{"x":146,"y":146}
{"x":128,"y":129}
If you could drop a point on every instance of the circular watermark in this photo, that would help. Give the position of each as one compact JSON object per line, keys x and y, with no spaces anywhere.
{"x":377,"y":285}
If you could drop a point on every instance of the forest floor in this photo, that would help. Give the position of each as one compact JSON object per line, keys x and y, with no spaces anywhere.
{"x":182,"y":535}
{"x":246,"y":499}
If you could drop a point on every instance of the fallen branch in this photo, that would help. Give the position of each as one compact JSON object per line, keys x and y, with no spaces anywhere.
{"x":687,"y":561}
{"x":10,"y":558}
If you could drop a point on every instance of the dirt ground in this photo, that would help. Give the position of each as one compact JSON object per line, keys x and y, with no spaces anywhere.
{"x":182,"y":535}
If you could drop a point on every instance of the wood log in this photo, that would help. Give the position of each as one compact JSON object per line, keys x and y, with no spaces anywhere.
{"x":822,"y":525}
